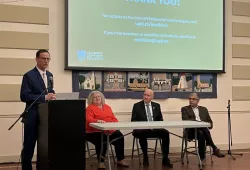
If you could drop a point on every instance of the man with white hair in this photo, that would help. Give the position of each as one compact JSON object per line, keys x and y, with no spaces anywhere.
{"x":146,"y":110}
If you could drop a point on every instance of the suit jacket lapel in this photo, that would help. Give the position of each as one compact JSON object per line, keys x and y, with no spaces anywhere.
{"x":191,"y":112}
{"x":144,"y":113}
{"x":153,"y":110}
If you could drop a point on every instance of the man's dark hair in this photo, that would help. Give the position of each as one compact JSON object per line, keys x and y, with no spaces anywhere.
{"x":41,"y":51}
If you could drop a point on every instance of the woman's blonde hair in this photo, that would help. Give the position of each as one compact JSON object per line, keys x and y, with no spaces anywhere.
{"x":90,"y":97}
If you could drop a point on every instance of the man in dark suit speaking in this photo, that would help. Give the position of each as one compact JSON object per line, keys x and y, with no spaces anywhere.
{"x":34,"y":83}
{"x":195,"y":112}
{"x":146,"y":110}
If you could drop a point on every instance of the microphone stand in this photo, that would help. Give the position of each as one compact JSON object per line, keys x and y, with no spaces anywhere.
{"x":230,"y":139}
{"x":24,"y":114}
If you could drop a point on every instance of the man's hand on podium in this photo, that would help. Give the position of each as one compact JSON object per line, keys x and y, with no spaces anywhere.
{"x":50,"y":96}
{"x":53,"y":97}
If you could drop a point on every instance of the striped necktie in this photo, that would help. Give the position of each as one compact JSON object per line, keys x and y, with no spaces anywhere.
{"x":150,"y":118}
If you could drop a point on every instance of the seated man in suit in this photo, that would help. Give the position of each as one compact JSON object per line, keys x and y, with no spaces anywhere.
{"x":195,"y":112}
{"x":146,"y":110}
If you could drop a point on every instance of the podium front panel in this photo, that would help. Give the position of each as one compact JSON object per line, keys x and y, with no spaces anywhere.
{"x":61,"y":139}
{"x":42,"y":140}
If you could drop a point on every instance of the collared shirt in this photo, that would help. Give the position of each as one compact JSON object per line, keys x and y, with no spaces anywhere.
{"x":44,"y":76}
{"x":197,"y":114}
{"x":150,"y":109}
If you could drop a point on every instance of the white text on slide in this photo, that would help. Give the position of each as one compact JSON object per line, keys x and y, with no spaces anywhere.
{"x":160,"y":2}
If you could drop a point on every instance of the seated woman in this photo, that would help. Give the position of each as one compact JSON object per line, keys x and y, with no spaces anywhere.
{"x":99,"y":112}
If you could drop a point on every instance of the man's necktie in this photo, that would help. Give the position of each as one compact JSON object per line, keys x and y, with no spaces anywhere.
{"x":45,"y":80}
{"x":150,"y":118}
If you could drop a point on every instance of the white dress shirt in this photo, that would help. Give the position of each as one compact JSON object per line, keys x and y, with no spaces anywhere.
{"x":197,"y":114}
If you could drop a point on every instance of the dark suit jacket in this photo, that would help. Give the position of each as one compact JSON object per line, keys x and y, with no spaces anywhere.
{"x":139,"y":112}
{"x":32,"y":86}
{"x":188,"y":114}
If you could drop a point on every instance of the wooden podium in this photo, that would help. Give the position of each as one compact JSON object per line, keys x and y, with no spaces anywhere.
{"x":61,"y":135}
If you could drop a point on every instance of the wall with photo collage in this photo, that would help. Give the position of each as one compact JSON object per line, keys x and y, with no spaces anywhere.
{"x":132,"y":84}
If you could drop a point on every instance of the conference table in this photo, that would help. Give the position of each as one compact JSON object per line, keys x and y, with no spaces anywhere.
{"x":149,"y":125}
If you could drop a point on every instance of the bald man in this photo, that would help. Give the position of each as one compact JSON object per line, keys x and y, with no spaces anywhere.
{"x":146,"y":110}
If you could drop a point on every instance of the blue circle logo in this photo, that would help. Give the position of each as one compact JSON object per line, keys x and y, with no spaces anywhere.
{"x":81,"y":55}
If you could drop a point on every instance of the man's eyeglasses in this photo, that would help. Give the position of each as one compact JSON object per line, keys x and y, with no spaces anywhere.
{"x":193,"y":99}
{"x":43,"y":58}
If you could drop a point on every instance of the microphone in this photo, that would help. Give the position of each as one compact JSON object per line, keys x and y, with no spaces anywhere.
{"x":228,"y":104}
{"x":51,"y":82}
